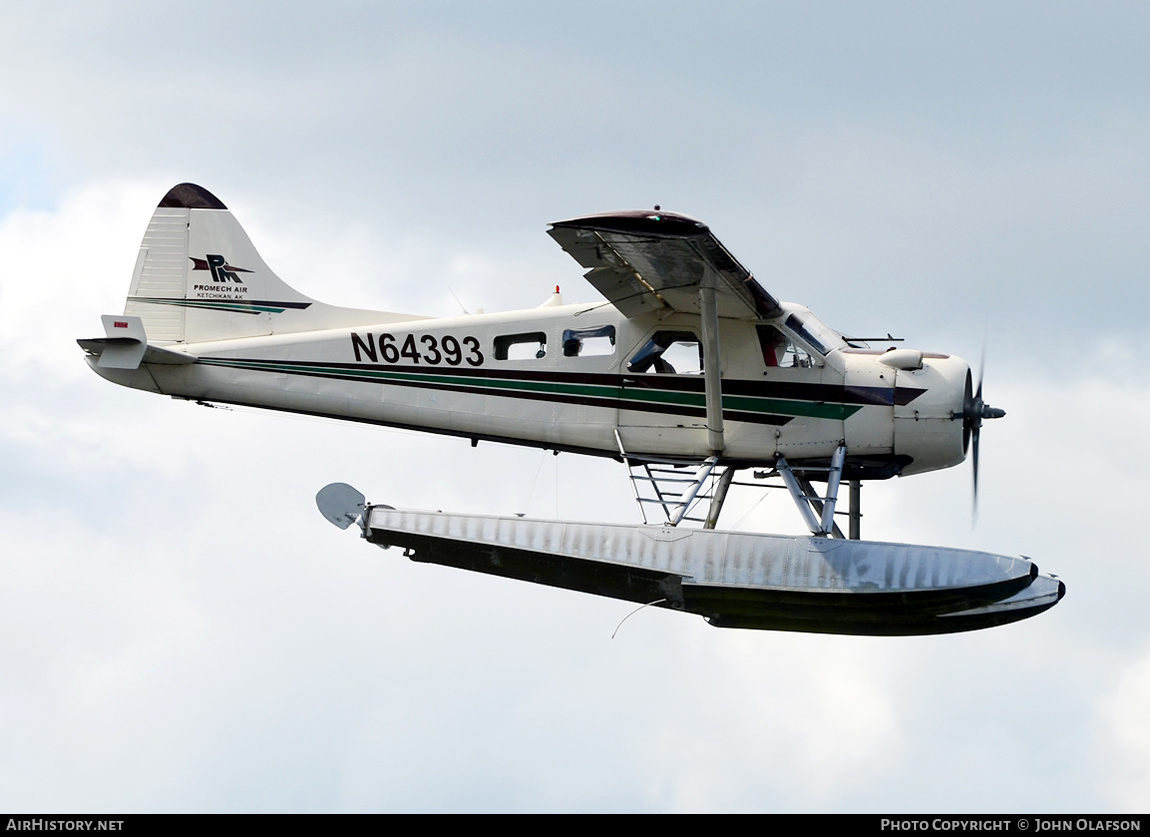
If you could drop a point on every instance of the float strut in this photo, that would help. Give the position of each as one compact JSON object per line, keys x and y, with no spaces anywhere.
{"x":855,"y":509}
{"x":818,"y":512}
{"x":718,"y":497}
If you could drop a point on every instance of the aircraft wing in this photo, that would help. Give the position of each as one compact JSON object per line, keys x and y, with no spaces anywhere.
{"x":646,"y":260}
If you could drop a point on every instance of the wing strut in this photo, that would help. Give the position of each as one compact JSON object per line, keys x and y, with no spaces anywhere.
{"x":712,"y":363}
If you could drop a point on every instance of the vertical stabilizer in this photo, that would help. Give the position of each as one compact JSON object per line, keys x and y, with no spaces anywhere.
{"x":199,"y":278}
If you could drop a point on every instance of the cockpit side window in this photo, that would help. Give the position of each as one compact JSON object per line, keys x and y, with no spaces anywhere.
{"x":584,"y":342}
{"x":669,"y":353}
{"x":780,"y":350}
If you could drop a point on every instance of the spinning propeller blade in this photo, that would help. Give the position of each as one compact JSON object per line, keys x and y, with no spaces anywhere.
{"x":973,"y":412}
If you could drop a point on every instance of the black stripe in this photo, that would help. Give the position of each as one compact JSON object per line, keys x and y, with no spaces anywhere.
{"x":557,"y":397}
{"x":789,"y":390}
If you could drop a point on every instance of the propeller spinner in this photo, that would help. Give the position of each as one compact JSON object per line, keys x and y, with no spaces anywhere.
{"x":974,"y":410}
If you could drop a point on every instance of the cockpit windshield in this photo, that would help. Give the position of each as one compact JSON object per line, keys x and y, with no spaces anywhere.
{"x":792,"y":343}
{"x":821,"y":337}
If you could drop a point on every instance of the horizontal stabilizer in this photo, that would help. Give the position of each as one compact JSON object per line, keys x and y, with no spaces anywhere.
{"x":126,"y":345}
{"x":157,"y":354}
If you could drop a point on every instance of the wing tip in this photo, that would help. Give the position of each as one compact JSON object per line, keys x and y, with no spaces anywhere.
{"x":638,"y":222}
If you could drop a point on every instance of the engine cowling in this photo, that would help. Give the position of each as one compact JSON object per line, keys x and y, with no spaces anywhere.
{"x":928,"y":428}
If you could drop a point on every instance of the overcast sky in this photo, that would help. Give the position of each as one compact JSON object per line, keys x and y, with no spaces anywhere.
{"x":181,"y":631}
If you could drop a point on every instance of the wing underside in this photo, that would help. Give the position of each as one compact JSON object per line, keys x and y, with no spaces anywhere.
{"x":648,"y":261}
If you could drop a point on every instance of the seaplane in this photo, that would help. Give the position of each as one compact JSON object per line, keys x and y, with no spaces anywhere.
{"x":689,"y":372}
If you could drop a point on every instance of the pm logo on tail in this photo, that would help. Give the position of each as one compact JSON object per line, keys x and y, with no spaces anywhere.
{"x":221,"y":270}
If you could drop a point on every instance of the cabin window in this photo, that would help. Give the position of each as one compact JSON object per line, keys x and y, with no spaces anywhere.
{"x":669,"y":353}
{"x":584,"y":342}
{"x":527,"y":346}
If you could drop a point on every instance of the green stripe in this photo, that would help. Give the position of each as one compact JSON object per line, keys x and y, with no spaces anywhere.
{"x":238,"y":306}
{"x":743,"y":403}
{"x":777,"y":406}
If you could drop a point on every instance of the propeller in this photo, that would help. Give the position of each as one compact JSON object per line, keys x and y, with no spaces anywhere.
{"x":974,"y":410}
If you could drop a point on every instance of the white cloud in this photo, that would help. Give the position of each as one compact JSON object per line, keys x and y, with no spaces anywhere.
{"x":1122,"y":755}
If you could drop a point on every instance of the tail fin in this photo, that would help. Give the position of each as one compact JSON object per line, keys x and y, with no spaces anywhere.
{"x":199,"y":278}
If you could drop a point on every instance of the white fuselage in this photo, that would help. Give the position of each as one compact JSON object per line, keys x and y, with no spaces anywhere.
{"x":531,"y":377}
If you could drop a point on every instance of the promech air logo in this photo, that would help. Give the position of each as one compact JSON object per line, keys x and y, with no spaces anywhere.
{"x":221,"y":270}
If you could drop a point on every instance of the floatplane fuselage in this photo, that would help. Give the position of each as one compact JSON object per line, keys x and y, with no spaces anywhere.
{"x":688,"y":365}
